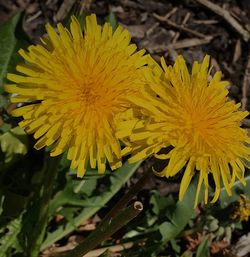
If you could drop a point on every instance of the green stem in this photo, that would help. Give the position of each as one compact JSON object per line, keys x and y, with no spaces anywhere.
{"x":46,"y":191}
{"x":119,"y":177}
{"x":106,"y":229}
{"x":133,"y":191}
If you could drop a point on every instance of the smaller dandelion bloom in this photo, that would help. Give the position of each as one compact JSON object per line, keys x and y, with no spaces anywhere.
{"x":192,"y":114}
{"x":73,"y":85}
{"x":241,"y":209}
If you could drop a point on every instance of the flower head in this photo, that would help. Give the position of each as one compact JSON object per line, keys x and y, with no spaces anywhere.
{"x":191,"y":114}
{"x":73,"y":86}
{"x":241,"y":209}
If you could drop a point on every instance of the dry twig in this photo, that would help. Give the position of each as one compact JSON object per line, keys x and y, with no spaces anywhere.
{"x":245,"y":85}
{"x":205,"y":22}
{"x":227,"y":17}
{"x":185,"y":43}
{"x":115,"y":248}
{"x":177,"y":35}
{"x":64,"y":9}
{"x":169,"y":14}
{"x":33,"y":17}
{"x":94,"y":253}
{"x":179,"y":27}
{"x":237,"y":51}
{"x":85,"y":5}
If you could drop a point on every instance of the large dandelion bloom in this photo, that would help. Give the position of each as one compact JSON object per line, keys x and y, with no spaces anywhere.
{"x":73,"y":86}
{"x":191,"y":114}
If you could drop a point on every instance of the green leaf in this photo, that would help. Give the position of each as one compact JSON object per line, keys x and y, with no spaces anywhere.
{"x":160,"y":202}
{"x":8,"y":45}
{"x":187,"y":253}
{"x":4,"y":101}
{"x":1,"y":204}
{"x":14,"y":203}
{"x":117,"y":180}
{"x":175,"y":246}
{"x":237,"y":189}
{"x":75,"y":193}
{"x":203,"y":249}
{"x":13,"y":145}
{"x":38,"y":210}
{"x":180,"y":215}
{"x":112,"y":20}
{"x":9,"y":240}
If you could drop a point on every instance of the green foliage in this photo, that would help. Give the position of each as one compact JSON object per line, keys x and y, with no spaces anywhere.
{"x":14,"y":144}
{"x":237,"y":189}
{"x":179,"y":215}
{"x":9,"y":45}
{"x":203,"y":249}
{"x":1,"y":205}
{"x":112,"y":20}
{"x":37,"y":216}
{"x":8,"y":238}
{"x":187,"y":254}
{"x":74,"y":192}
{"x":161,"y":202}
{"x":92,"y":204}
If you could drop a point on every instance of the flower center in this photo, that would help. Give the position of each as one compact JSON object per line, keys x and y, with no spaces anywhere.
{"x":195,"y":119}
{"x":90,"y":86}
{"x":196,"y":127}
{"x":89,"y":94}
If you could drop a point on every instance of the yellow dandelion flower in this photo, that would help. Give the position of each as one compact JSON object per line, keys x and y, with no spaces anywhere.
{"x":241,"y":209}
{"x":73,"y":85}
{"x":192,"y":114}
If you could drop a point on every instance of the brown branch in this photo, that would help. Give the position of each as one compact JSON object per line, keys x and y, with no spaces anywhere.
{"x":64,"y":9}
{"x":179,"y":27}
{"x":57,"y":252}
{"x":185,"y":43}
{"x":185,"y":20}
{"x":113,"y":249}
{"x":245,"y":85}
{"x":85,"y":5}
{"x":227,"y":17}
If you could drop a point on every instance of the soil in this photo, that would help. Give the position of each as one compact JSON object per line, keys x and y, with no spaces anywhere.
{"x":164,"y":28}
